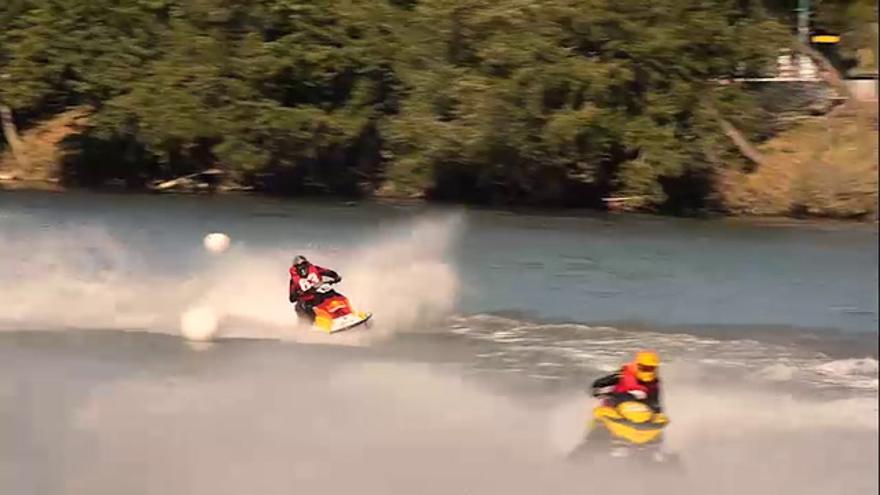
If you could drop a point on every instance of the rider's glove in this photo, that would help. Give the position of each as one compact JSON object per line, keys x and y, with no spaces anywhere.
{"x":638,"y":394}
{"x":602,"y":391}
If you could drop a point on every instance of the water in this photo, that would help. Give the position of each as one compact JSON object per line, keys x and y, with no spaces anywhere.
{"x":489,"y":325}
{"x":667,"y":272}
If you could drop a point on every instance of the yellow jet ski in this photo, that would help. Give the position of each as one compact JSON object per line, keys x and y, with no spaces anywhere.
{"x":631,"y":422}
{"x":626,"y":429}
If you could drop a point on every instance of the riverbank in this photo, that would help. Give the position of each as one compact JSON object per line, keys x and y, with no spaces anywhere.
{"x":823,"y":168}
{"x":777,"y":219}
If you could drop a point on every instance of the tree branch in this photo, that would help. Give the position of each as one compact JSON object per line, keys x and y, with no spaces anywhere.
{"x":10,"y":133}
{"x":736,"y":136}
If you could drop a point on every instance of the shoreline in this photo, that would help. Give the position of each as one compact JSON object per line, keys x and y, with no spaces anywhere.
{"x":55,"y":186}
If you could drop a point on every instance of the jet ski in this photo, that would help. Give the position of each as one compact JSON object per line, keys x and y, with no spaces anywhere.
{"x":626,"y":430}
{"x":334,"y":313}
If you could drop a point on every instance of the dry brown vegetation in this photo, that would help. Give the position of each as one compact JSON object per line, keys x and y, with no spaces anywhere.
{"x":41,"y":149}
{"x":824,"y":167}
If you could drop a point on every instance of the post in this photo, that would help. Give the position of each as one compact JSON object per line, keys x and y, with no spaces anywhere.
{"x":804,"y":20}
{"x":875,"y":47}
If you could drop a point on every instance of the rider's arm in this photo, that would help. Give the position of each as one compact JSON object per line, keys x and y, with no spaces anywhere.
{"x":293,"y":292}
{"x":653,"y":399}
{"x":324,"y":272}
{"x":605,"y":384}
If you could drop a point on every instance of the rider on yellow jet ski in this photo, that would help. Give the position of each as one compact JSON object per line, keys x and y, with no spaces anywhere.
{"x":636,"y":380}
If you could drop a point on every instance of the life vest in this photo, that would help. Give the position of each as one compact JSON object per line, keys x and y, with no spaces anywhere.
{"x":629,"y":382}
{"x":303,"y":284}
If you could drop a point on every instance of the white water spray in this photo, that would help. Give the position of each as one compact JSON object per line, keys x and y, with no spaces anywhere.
{"x":84,"y":277}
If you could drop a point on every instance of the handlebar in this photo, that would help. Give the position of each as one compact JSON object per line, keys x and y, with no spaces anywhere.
{"x":324,"y":286}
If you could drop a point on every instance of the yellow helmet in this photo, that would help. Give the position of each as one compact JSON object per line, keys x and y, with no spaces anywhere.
{"x":646,"y":364}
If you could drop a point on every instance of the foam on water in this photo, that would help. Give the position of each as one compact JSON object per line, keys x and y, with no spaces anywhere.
{"x":83,"y":277}
{"x":861,"y":373}
{"x":604,"y":348}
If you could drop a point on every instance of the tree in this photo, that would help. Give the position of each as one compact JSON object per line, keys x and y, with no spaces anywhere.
{"x":605,"y":94}
{"x":558,"y":101}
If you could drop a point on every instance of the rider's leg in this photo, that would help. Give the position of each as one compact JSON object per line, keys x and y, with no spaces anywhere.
{"x":305,"y":311}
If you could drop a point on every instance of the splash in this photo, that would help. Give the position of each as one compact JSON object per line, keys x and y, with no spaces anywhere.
{"x":406,"y":278}
{"x":403,"y":276}
{"x":84,"y":277}
{"x":199,"y":324}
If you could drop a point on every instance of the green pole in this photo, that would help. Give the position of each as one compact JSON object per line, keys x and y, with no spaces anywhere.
{"x":804,"y":20}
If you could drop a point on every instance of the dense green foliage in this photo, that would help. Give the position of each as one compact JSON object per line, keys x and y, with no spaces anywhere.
{"x":552,"y":101}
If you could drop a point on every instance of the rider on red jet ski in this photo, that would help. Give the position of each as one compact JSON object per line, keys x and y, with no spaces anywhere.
{"x":304,"y":277}
{"x":636,"y":380}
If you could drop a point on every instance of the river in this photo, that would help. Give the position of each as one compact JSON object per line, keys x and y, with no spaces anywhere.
{"x":489,"y":327}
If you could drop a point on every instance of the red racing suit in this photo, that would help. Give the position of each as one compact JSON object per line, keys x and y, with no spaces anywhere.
{"x":301,"y":287}
{"x":617,"y":387}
